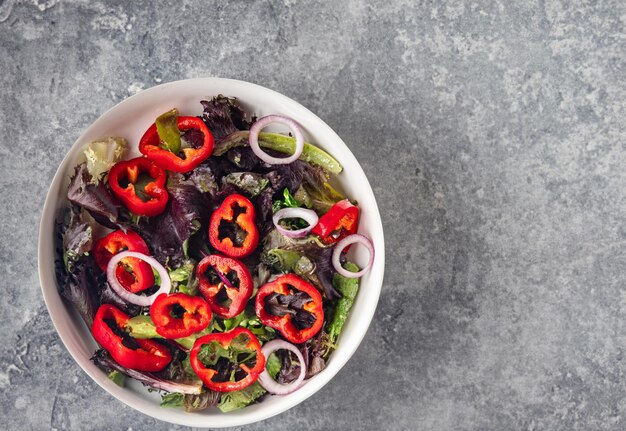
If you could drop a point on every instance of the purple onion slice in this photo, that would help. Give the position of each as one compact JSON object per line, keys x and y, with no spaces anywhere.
{"x":308,"y":216}
{"x":127,"y":296}
{"x":342,"y":244}
{"x":262,"y":123}
{"x":271,"y":385}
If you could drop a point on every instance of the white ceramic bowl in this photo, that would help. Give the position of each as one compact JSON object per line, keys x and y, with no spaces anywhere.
{"x":130,"y":119}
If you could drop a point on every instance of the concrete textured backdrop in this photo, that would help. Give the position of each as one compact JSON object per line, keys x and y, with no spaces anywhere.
{"x":493,"y":133}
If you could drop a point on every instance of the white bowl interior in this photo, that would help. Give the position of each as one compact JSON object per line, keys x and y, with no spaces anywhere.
{"x":130,"y":119}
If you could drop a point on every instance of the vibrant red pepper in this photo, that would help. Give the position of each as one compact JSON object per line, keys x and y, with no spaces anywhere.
{"x":140,"y":276}
{"x":296,"y":326}
{"x":129,"y":352}
{"x":217,"y":288}
{"x":179,"y":315}
{"x":216,"y":376}
{"x":232,"y":229}
{"x":150,"y":146}
{"x":152,"y":198}
{"x":341,"y":220}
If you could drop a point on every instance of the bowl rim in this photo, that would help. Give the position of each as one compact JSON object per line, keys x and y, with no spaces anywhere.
{"x":240,"y":417}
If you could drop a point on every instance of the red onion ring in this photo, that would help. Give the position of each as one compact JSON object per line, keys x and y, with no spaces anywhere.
{"x":341,"y":245}
{"x":268,"y":382}
{"x":262,"y":123}
{"x":308,"y":216}
{"x":165,"y":385}
{"x":127,"y":296}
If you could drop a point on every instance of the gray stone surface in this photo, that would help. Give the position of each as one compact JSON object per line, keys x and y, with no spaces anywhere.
{"x":492,"y":133}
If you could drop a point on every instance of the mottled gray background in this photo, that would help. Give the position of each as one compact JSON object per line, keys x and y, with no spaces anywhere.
{"x":492,"y":133}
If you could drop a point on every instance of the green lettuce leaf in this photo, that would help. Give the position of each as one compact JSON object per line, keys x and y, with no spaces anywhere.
{"x":102,"y":155}
{"x":174,"y":399}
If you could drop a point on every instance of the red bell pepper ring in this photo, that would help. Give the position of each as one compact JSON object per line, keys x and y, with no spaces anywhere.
{"x":280,"y":289}
{"x":123,"y":177}
{"x":341,"y":220}
{"x":234,"y":219}
{"x":235,"y":342}
{"x":217,"y":288}
{"x":140,"y":276}
{"x":150,"y":146}
{"x":179,"y":315}
{"x":137,"y":354}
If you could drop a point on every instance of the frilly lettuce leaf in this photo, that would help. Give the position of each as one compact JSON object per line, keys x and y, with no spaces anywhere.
{"x":168,"y":233}
{"x":101,"y":155}
{"x":95,"y":198}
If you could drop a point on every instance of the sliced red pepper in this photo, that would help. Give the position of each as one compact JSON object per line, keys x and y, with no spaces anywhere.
{"x":225,"y":283}
{"x":232,"y":229}
{"x":292,"y":306}
{"x":149,"y":199}
{"x":150,"y":145}
{"x":133,"y":274}
{"x":341,"y":220}
{"x":230,"y":361}
{"x":137,"y":354}
{"x":179,"y":315}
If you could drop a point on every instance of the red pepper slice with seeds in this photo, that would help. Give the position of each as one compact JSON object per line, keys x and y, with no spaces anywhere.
{"x":227,"y":361}
{"x":341,"y":220}
{"x":183,"y":160}
{"x":133,"y":274}
{"x":179,"y":315}
{"x":137,"y":354}
{"x":232,"y":229}
{"x":225,"y":283}
{"x":140,"y":185}
{"x":291,"y":305}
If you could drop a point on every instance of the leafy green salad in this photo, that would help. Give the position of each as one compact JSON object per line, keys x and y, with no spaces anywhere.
{"x":212,"y":268}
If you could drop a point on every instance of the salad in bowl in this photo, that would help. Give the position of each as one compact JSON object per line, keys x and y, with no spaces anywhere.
{"x":215,"y":260}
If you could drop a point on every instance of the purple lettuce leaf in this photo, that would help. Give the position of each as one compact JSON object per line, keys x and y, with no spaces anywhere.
{"x":95,"y":198}
{"x":223,"y":116}
{"x":166,"y":234}
{"x":75,"y":269}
